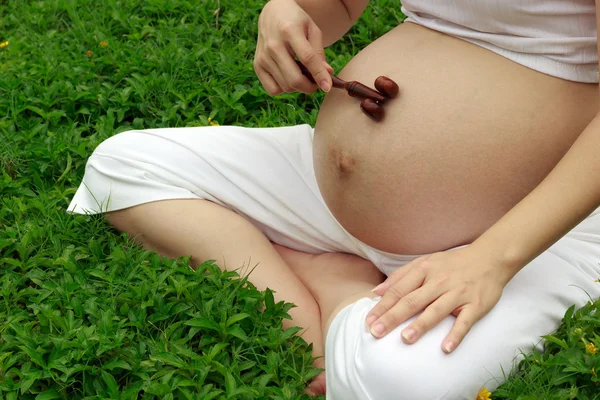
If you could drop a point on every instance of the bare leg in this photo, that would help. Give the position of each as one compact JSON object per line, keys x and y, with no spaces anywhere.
{"x":335,"y":280}
{"x":206,"y":230}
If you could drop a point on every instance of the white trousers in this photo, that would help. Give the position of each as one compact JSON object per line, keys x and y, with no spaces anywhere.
{"x":267,"y":176}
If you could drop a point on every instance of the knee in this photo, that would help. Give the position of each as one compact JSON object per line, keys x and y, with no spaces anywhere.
{"x":120,"y":142}
{"x":362,"y":367}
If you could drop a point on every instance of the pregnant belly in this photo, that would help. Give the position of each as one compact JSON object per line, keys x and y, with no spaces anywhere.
{"x":470,"y":135}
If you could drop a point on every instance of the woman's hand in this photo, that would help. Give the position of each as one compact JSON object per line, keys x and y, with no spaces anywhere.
{"x":465,"y":283}
{"x":285,"y":30}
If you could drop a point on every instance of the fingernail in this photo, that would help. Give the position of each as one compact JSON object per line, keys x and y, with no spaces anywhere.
{"x":449,"y":347}
{"x":370,"y":320}
{"x":325,"y":85}
{"x":377,"y":287}
{"x":377,"y":330}
{"x":409,"y":334}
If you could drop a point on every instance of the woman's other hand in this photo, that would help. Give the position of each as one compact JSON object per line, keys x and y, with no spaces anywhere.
{"x":464,"y":282}
{"x":285,"y":30}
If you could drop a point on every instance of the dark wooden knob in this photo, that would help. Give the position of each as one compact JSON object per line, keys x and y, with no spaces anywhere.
{"x":387,"y":87}
{"x":374,"y":110}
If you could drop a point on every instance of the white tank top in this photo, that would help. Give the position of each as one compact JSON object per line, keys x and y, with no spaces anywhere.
{"x":556,"y":37}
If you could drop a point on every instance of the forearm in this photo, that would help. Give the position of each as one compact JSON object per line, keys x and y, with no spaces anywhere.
{"x":333,"y":17}
{"x":563,"y":199}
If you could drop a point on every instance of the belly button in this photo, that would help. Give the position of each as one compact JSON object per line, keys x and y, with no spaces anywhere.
{"x":344,"y":162}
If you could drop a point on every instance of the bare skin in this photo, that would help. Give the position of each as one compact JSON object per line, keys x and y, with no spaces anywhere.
{"x":335,"y":280}
{"x":470,"y":135}
{"x":315,"y":283}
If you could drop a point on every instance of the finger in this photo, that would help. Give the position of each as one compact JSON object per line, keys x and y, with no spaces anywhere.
{"x":269,"y":83}
{"x":290,"y":72}
{"x":309,"y":55}
{"x":433,"y":315}
{"x":280,"y":77}
{"x":405,"y":308}
{"x":391,"y":280}
{"x":463,"y":324}
{"x":412,"y":280}
{"x":273,"y":69}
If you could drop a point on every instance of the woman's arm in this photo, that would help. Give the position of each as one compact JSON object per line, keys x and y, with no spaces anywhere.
{"x":564,"y":198}
{"x":568,"y":194}
{"x":333,"y":17}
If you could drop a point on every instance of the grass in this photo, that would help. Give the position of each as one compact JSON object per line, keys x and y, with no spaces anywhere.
{"x":84,"y":313}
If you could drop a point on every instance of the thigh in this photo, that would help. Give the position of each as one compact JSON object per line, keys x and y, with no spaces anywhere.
{"x":264,"y":174}
{"x":361,"y":367}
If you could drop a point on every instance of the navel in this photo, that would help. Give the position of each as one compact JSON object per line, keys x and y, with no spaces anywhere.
{"x":345,"y":163}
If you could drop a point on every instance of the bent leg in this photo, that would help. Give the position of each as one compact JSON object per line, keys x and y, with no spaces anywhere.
{"x":334,"y":279}
{"x":360,"y":367}
{"x":331,"y":278}
{"x":219,"y":193}
{"x":205,"y":230}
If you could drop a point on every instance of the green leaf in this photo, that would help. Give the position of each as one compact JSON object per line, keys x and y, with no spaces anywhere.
{"x":236,"y":318}
{"x":99,"y":274}
{"x":216,"y":349}
{"x":237,"y":332}
{"x":262,"y":382}
{"x":14,"y":395}
{"x":204,"y":323}
{"x":168,"y":358}
{"x":269,"y":299}
{"x":569,"y":314}
{"x":116,"y":363}
{"x":288,"y":333}
{"x":230,"y":384}
{"x":557,"y":341}
{"x":67,"y":168}
{"x":158,"y":389}
{"x":48,"y":395}
{"x":113,"y":387}
{"x":26,"y":384}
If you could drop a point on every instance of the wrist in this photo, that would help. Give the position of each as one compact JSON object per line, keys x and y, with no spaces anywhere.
{"x":506,"y":256}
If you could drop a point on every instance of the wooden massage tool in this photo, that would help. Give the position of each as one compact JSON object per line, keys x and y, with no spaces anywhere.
{"x":372,"y":100}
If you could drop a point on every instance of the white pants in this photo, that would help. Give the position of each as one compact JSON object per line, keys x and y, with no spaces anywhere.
{"x":267,"y":176}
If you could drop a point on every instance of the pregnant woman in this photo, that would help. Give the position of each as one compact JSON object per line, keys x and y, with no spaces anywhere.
{"x":476,"y":195}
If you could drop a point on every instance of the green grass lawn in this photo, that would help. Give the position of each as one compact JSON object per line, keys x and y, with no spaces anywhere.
{"x":84,"y":313}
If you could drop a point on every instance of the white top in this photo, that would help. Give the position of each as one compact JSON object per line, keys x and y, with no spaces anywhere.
{"x":556,"y":37}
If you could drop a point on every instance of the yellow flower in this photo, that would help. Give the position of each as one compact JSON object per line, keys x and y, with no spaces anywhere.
{"x":484,"y":394}
{"x":89,"y":53}
{"x":3,"y":44}
{"x":104,"y":44}
{"x":590,"y":348}
{"x":211,"y":122}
